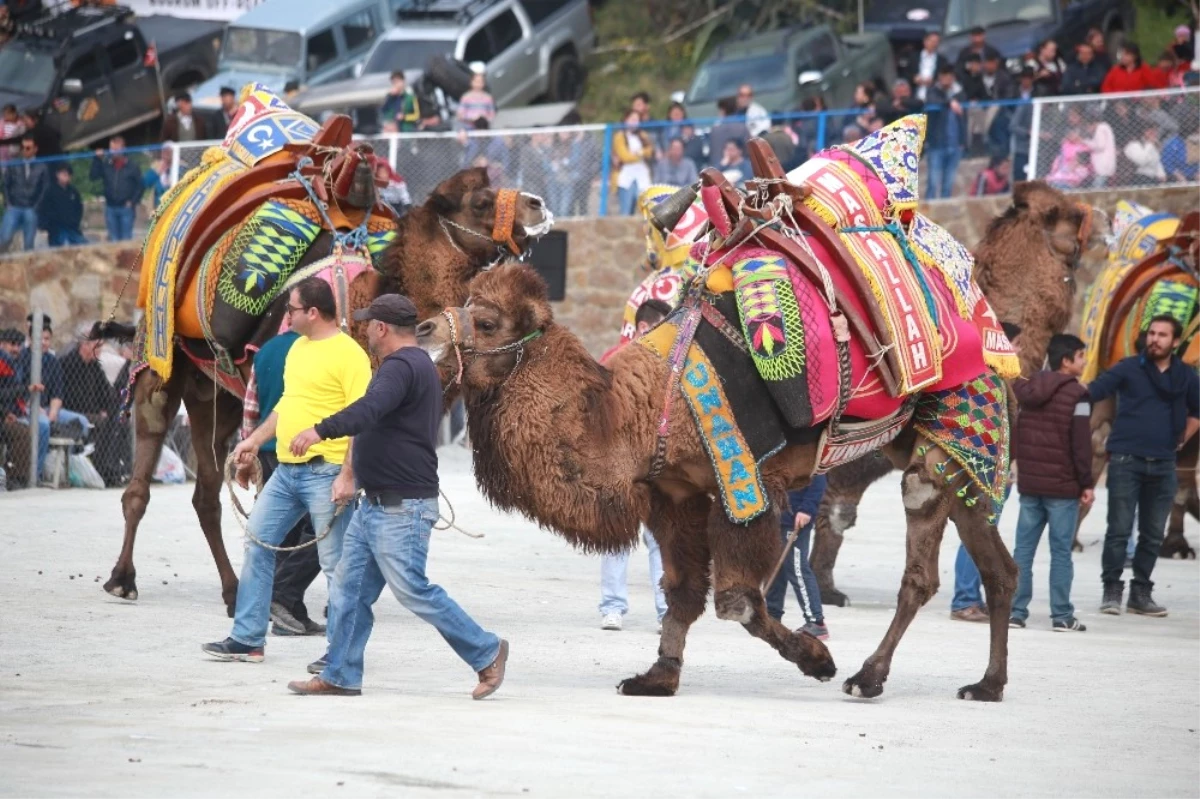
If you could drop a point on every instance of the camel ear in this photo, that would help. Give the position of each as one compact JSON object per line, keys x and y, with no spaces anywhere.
{"x":1036,"y":197}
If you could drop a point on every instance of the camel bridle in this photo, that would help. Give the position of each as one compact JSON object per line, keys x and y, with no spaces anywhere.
{"x":503,"y":228}
{"x":462,"y":339}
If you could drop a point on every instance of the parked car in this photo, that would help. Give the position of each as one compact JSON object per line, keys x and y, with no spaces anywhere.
{"x":531,"y":50}
{"x":91,"y":71}
{"x":1014,"y":28}
{"x":785,"y":66}
{"x":307,"y":41}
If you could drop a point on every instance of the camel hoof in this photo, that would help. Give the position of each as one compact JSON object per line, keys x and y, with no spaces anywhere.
{"x":122,"y":588}
{"x":860,"y":687}
{"x":810,"y":655}
{"x":643,"y":686}
{"x":980,"y":693}
{"x":832,"y":596}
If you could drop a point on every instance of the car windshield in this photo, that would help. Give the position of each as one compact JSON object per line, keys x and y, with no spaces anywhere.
{"x":966,"y":14}
{"x":26,"y":70}
{"x":404,"y":54}
{"x":262,"y":47}
{"x":718,"y":79}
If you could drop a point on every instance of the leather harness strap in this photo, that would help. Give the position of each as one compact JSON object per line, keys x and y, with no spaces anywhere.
{"x":506,"y":219}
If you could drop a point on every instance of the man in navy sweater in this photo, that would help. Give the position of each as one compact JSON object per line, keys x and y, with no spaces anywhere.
{"x":395,"y":465}
{"x":1158,"y":409}
{"x":798,"y":516}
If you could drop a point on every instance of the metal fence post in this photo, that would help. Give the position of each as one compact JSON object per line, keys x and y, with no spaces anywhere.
{"x":606,"y":168}
{"x":821,"y":130}
{"x":1035,"y":130}
{"x":35,"y":396}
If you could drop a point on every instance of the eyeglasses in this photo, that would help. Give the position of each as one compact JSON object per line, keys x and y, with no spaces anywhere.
{"x":291,"y":309}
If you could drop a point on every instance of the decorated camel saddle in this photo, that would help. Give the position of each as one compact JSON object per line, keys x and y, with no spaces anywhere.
{"x":236,"y":232}
{"x":857,"y":312}
{"x":1152,"y":270}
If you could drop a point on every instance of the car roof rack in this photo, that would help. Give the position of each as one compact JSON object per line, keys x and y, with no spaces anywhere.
{"x":65,"y":21}
{"x":459,"y":11}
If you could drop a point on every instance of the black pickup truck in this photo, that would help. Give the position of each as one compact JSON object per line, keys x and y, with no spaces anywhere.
{"x":94,"y":71}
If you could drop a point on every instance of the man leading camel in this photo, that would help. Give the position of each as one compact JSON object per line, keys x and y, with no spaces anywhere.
{"x":1158,"y":409}
{"x":325,"y":371}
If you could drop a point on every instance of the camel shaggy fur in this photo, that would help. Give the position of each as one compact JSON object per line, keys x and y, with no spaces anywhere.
{"x":569,"y":443}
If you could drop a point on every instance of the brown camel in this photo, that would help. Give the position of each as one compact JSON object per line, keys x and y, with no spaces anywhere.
{"x":570,"y":444}
{"x":440,"y":246}
{"x":1026,"y":265}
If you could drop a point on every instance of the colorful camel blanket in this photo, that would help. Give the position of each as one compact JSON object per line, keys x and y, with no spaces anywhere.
{"x":970,"y":424}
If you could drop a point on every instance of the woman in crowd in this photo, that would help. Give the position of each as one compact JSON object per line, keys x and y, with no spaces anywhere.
{"x":632,"y":151}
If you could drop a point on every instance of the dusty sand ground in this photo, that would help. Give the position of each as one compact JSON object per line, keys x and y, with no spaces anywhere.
{"x":102,"y":697}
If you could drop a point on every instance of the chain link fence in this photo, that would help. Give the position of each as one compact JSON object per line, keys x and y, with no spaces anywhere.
{"x":1116,"y":140}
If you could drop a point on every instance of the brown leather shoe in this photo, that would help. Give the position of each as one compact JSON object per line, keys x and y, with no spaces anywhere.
{"x":318,"y":687}
{"x":491,"y":677}
{"x":973,"y":613}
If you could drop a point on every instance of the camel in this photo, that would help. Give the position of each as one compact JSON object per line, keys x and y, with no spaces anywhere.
{"x":570,"y":444}
{"x":1026,"y":266}
{"x":439,"y":247}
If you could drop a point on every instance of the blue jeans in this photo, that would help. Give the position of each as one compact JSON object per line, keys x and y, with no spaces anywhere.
{"x":627,"y":199}
{"x":119,"y":222}
{"x":23,"y":219}
{"x":1061,"y":515}
{"x":966,"y":582}
{"x":66,"y":417}
{"x":389,"y":546}
{"x":804,"y":585}
{"x":943,"y":166}
{"x":59,"y":238}
{"x":43,"y":440}
{"x":1145,"y":487}
{"x":614,"y":594}
{"x":293,"y":490}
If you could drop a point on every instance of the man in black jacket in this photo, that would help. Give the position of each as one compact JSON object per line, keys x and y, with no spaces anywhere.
{"x":62,"y":209}
{"x":387,"y":544}
{"x":1158,"y":410}
{"x":122,"y":188}
{"x":946,"y":134}
{"x":86,"y":391}
{"x":1085,"y":75}
{"x":25,"y":184}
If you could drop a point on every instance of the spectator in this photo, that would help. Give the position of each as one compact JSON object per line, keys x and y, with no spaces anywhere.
{"x":154,"y":179}
{"x":1047,"y":68}
{"x":229,"y":105}
{"x":122,"y":188}
{"x":640,"y":103}
{"x":929,"y":65}
{"x":11,"y":127}
{"x":1146,"y":158}
{"x":733,"y":162}
{"x":486,"y":151}
{"x":1021,"y":125}
{"x":676,"y":169}
{"x":50,"y":389}
{"x":901,"y":104}
{"x":783,"y":141}
{"x":61,"y":211}
{"x":695,"y":146}
{"x":996,"y":179}
{"x":534,"y":157}
{"x":728,"y":126}
{"x":25,"y":183}
{"x":864,"y":106}
{"x":585,"y":154}
{"x":945,"y":136}
{"x":1151,"y":112}
{"x":290,"y":90}
{"x":563,"y":172}
{"x":1102,"y":146}
{"x":1163,"y":72}
{"x":395,"y":190}
{"x":1086,"y":75}
{"x":997,"y":83}
{"x":798,"y":516}
{"x":632,"y":151}
{"x":87,"y":392}
{"x":1071,"y":168}
{"x":1054,"y":440}
{"x":184,"y":125}
{"x":1175,"y":161}
{"x":976,"y":46}
{"x":13,"y":435}
{"x":1158,"y":410}
{"x":1095,"y":38}
{"x":1183,"y":47}
{"x":807,"y":128}
{"x":477,"y":103}
{"x":676,"y":115}
{"x":49,"y":143}
{"x":400,"y":106}
{"x":1129,"y":74}
{"x":758,"y":121}
{"x":972,"y":79}
{"x":851,"y":134}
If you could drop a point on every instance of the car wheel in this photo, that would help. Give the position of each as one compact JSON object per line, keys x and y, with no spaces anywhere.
{"x":450,"y":75}
{"x":566,"y":79}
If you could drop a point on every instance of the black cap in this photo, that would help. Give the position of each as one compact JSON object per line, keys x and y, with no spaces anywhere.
{"x":392,"y":309}
{"x":11,"y":336}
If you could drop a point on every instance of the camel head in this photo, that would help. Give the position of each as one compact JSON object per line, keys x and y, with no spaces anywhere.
{"x":480,"y":219}
{"x":1072,"y":228}
{"x":483,"y":343}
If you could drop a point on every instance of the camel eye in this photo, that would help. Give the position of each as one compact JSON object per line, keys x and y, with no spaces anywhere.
{"x":486,"y":326}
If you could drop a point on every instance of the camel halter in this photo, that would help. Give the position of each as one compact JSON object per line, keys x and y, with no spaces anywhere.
{"x":467,"y":346}
{"x":503,"y":229}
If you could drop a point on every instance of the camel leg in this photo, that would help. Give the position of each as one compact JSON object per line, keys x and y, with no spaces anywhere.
{"x":1175,"y":545}
{"x":215,"y":416}
{"x":684,"y":547}
{"x":999,"y":574}
{"x":154,"y":405}
{"x":927,"y":501}
{"x":743,"y":558}
{"x":838,"y":513}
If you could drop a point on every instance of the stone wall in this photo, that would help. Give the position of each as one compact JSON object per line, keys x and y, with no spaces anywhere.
{"x":76,"y":285}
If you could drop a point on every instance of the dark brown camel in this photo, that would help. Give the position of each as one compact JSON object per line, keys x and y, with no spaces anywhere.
{"x":440,"y":246}
{"x":569,"y":444}
{"x":1026,"y":265}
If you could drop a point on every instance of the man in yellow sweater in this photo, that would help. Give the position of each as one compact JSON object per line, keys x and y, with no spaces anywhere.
{"x":325,"y":371}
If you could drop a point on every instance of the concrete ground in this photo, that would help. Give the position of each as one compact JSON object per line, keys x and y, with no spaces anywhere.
{"x":101,"y":697}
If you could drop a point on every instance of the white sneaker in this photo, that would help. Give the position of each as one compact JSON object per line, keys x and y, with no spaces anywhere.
{"x":611,"y":621}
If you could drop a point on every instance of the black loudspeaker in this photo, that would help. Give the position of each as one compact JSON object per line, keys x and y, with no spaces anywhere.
{"x":549,"y":257}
